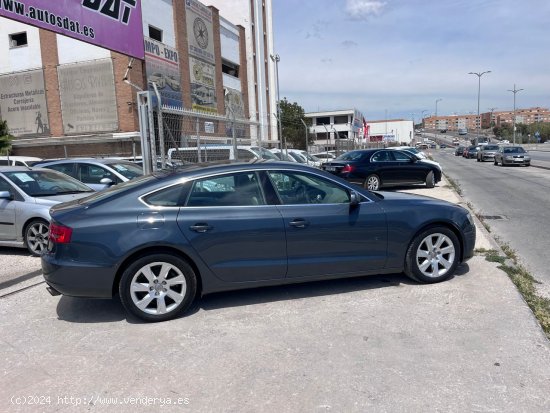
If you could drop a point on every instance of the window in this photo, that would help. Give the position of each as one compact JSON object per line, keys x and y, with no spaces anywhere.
{"x":298,"y":188}
{"x":155,"y":34}
{"x":401,"y":157}
{"x":230,"y":68}
{"x":18,"y":40}
{"x":167,"y":197}
{"x":66,"y":168}
{"x":382,"y":156}
{"x":239,"y":189}
{"x":93,"y":174}
{"x":323,"y":121}
{"x":341,"y":120}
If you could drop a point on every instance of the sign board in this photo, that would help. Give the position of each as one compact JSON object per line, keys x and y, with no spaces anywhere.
{"x":200,"y":31}
{"x":23,"y":103}
{"x":209,"y":127}
{"x":87,"y":92}
{"x":203,"y":85}
{"x":163,"y":68}
{"x":112,"y":24}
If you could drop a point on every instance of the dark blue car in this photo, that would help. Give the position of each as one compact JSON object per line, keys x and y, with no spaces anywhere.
{"x":375,"y":168}
{"x":164,"y":239}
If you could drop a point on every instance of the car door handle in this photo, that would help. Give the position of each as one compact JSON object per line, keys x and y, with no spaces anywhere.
{"x":299,"y":223}
{"x":200,"y":227}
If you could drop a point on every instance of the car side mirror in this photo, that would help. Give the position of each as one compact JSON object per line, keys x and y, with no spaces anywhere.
{"x":354,"y":199}
{"x":106,"y":181}
{"x":6,"y":195}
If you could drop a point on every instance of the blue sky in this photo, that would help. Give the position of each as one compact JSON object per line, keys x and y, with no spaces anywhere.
{"x":399,"y":56}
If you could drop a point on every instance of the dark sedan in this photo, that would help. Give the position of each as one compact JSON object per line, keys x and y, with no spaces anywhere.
{"x":459,"y":150}
{"x":375,"y":168}
{"x":163,"y":239}
{"x":512,"y":155}
{"x":486,"y":152}
{"x":471,"y":152}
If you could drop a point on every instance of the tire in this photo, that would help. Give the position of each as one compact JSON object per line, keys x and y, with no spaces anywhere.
{"x":479,"y":160}
{"x":433,"y":255}
{"x":372,"y":183}
{"x":37,"y":235}
{"x":152,"y":296}
{"x":430,"y":180}
{"x":495,"y":162}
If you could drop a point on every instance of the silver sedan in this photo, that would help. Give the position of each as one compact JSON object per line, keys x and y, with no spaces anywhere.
{"x":26,"y":195}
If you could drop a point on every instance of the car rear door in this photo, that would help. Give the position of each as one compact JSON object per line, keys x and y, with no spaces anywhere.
{"x":324,"y":235}
{"x":7,"y":213}
{"x":237,"y":234}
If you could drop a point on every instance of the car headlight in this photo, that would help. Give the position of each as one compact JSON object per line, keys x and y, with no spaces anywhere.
{"x":527,"y":158}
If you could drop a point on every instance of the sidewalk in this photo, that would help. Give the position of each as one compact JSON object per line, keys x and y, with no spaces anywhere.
{"x":380,"y":344}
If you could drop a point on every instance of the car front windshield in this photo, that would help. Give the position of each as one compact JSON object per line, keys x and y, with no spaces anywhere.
{"x":37,"y":183}
{"x":128,"y":170}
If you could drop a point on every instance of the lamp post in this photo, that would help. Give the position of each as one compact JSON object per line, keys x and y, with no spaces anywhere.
{"x":435,"y":120}
{"x":514,"y":91}
{"x":478,"y":74}
{"x":276,"y":58}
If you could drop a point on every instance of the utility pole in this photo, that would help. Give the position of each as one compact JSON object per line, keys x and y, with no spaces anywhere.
{"x":478,"y":74}
{"x":514,"y":91}
{"x":307,"y":133}
{"x":276,"y":58}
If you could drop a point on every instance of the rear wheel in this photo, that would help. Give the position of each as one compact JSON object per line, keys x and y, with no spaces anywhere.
{"x":372,"y":183}
{"x":158,"y":287}
{"x":432,"y":255}
{"x":430,"y":180}
{"x":37,"y":234}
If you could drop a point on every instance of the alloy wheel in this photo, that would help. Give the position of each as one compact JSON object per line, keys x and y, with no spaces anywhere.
{"x":37,"y":236}
{"x":435,"y":255}
{"x":158,"y":288}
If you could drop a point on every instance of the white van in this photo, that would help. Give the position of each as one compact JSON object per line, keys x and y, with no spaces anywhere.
{"x":210,"y":153}
{"x":18,"y":160}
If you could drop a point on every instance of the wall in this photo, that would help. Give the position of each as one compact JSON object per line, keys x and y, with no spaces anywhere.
{"x":20,"y":58}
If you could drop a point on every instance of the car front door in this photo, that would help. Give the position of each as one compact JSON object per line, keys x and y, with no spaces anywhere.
{"x":92,"y":174}
{"x":236,"y":233}
{"x":406,"y":169}
{"x":325,"y":235}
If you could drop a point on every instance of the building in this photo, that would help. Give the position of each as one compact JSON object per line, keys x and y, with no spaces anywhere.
{"x":398,"y":131}
{"x":452,"y":122}
{"x":526,"y":116}
{"x":62,"y":96}
{"x":331,"y":129}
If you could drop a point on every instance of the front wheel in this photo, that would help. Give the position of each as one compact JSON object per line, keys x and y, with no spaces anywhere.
{"x":372,"y":183}
{"x":158,"y":287}
{"x":495,"y":162}
{"x":430,"y":180}
{"x":37,"y":234}
{"x":433,"y":255}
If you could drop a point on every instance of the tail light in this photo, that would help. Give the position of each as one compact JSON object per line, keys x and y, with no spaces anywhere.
{"x":347,"y":169}
{"x":60,"y":234}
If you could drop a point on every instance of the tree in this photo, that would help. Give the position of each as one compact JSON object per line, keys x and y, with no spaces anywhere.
{"x":293,"y":129}
{"x":5,"y":137}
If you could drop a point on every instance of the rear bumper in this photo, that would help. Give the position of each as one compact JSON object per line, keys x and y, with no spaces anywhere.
{"x":77,"y":280}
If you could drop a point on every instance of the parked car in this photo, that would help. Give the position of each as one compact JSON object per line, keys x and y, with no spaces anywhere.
{"x":18,"y":160}
{"x":459,"y":150}
{"x":162,"y":240}
{"x":97,"y":173}
{"x":463,"y":131}
{"x":486,"y":152}
{"x":375,"y":168}
{"x":471,"y":152}
{"x":325,"y":156}
{"x":26,"y":195}
{"x":512,"y":155}
{"x":415,"y":152}
{"x":301,"y":156}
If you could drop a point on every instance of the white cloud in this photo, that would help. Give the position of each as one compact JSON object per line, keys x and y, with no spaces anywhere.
{"x":363,"y":9}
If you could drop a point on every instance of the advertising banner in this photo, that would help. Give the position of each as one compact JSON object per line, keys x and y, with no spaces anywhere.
{"x":88,"y":102}
{"x":163,"y":68}
{"x":23,"y":103}
{"x":200,"y":30}
{"x":203,"y":86}
{"x":234,"y":103}
{"x":112,"y":24}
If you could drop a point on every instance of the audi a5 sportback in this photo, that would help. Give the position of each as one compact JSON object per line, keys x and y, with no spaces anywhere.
{"x":162,"y":240}
{"x":375,"y":168}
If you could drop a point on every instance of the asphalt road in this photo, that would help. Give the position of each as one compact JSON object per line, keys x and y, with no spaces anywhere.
{"x":515,"y":201}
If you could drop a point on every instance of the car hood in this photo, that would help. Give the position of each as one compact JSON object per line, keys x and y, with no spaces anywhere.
{"x":56,"y":199}
{"x":430,"y":162}
{"x":399,"y":198}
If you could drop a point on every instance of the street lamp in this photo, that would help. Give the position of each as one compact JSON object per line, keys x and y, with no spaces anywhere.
{"x":478,"y":74}
{"x":276,"y":58}
{"x":435,"y":120}
{"x":514,"y":91}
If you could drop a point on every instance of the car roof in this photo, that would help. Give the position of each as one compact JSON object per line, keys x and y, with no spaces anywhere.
{"x":22,"y":169}
{"x":104,"y":161}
